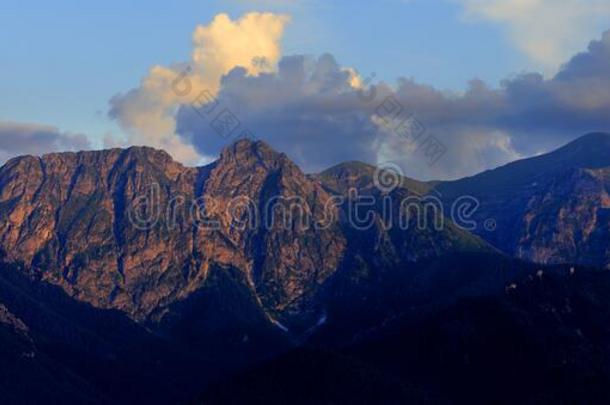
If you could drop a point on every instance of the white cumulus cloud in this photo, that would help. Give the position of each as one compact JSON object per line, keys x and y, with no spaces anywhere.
{"x":147,"y":112}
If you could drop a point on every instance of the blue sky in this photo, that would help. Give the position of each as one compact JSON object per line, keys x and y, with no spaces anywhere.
{"x":62,"y":62}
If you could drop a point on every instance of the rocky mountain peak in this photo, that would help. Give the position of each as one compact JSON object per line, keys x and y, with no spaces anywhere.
{"x":247,"y":152}
{"x":592,"y":140}
{"x":246,"y":168}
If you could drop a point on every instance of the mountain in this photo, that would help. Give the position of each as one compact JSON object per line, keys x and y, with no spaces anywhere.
{"x":126,"y":276}
{"x":551,"y":208}
{"x":407,"y":224}
{"x":67,"y":218}
{"x":361,"y":176}
{"x":231,"y":263}
{"x":135,"y":231}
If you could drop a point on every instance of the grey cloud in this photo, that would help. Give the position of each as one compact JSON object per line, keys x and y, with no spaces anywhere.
{"x":308,"y":110}
{"x":32,"y":139}
{"x":594,"y":63}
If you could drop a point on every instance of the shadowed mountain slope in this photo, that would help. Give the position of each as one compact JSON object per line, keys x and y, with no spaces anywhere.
{"x":551,"y":208}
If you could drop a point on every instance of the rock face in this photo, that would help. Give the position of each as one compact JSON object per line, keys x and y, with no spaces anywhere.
{"x":549,"y":209}
{"x":14,"y":323}
{"x":569,"y":220}
{"x":65,"y":217}
{"x":408,"y":223}
{"x":135,"y":231}
{"x":270,"y":221}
